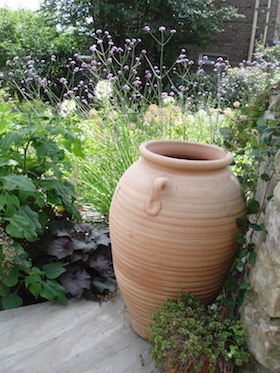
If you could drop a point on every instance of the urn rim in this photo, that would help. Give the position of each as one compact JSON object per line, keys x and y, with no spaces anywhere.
{"x":186,"y":154}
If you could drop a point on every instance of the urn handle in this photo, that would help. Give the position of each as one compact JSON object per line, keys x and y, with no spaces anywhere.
{"x":153,"y":204}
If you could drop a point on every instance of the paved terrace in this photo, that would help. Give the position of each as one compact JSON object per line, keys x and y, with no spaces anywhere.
{"x":81,"y":337}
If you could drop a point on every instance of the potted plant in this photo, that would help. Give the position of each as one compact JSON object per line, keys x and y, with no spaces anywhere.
{"x":190,"y":337}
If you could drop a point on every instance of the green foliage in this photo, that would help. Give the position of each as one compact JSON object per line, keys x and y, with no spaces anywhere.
{"x":196,"y":21}
{"x":111,"y":149}
{"x":187,"y":336}
{"x":261,"y":143}
{"x":18,"y":276}
{"x":30,"y":36}
{"x":24,"y":32}
{"x":268,"y":54}
{"x":33,"y":189}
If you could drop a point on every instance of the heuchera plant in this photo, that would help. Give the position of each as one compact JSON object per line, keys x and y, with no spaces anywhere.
{"x":86,"y":254}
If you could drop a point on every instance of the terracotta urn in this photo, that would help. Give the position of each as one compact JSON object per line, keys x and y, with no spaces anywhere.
{"x":173,"y":226}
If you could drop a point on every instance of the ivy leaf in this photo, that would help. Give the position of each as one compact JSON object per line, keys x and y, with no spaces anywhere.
{"x":256,"y":227}
{"x":242,"y":253}
{"x":240,"y":238}
{"x":12,"y":182}
{"x":241,"y":222}
{"x":253,"y":257}
{"x":239,"y":265}
{"x":53,"y":270}
{"x":12,"y":301}
{"x":253,"y":206}
{"x":245,"y":285}
{"x":265,"y":177}
{"x":231,"y":286}
{"x":53,"y":291}
{"x":228,"y":302}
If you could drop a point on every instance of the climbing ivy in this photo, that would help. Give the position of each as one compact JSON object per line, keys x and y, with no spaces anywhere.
{"x":254,"y":166}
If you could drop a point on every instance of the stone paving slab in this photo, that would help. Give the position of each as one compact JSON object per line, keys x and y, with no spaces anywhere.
{"x":83,"y":337}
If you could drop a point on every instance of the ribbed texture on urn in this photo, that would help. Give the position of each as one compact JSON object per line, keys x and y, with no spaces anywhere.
{"x":173,"y":226}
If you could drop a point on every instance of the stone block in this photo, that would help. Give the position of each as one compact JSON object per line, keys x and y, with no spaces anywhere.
{"x":265,"y":281}
{"x":276,"y":193}
{"x":277,"y":162}
{"x":272,"y":224}
{"x":262,"y":334}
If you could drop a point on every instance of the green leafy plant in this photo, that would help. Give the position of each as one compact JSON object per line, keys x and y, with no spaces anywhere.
{"x":188,"y":337}
{"x":21,"y":282}
{"x":255,"y":140}
{"x":33,"y":191}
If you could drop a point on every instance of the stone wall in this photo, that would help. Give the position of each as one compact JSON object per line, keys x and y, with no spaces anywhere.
{"x":261,"y":310}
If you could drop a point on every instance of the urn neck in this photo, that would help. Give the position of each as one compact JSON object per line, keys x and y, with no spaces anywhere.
{"x":185,"y":155}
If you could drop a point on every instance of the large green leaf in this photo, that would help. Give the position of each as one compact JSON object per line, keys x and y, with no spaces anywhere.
{"x":51,"y":150}
{"x":12,"y":301}
{"x":53,"y":291}
{"x":24,"y":224}
{"x":53,"y":270}
{"x":31,"y":216}
{"x":7,"y":162}
{"x":10,"y":201}
{"x":5,"y":120}
{"x":10,"y":139}
{"x":12,"y":182}
{"x":11,"y":279}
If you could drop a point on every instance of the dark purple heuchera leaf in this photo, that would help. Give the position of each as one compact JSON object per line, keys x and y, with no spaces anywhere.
{"x":103,"y":239}
{"x":75,"y":281}
{"x":81,"y":231}
{"x":60,"y":227}
{"x":79,"y":255}
{"x":86,"y":245}
{"x":102,"y":265}
{"x":85,"y":237}
{"x":61,"y":247}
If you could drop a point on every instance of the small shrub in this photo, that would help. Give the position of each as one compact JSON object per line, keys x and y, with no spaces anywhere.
{"x":187,"y":336}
